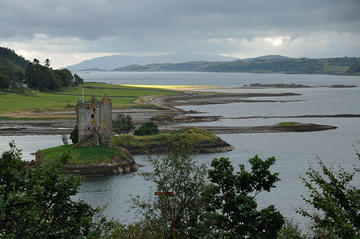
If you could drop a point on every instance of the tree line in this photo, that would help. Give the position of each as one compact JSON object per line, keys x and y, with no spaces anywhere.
{"x":18,"y":73}
{"x":37,"y":77}
{"x":41,"y":77}
{"x":189,"y":201}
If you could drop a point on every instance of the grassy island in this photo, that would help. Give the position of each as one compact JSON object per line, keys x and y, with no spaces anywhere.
{"x":85,"y":155}
{"x":91,"y":161}
{"x":105,"y":160}
{"x":194,"y":139}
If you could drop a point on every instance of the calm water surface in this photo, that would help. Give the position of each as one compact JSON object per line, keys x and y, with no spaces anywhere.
{"x":294,"y":152}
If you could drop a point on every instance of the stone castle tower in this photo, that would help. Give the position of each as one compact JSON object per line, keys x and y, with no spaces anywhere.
{"x":94,"y":120}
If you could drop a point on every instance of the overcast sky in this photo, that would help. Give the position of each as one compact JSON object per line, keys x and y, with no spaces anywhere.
{"x":69,"y":31}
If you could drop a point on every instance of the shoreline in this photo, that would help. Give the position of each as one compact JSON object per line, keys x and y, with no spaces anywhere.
{"x":171,"y":114}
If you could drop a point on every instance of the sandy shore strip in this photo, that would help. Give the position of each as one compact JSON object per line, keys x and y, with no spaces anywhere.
{"x":179,"y":87}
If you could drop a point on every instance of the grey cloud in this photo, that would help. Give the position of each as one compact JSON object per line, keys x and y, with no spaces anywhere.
{"x":96,"y":18}
{"x":175,"y":25}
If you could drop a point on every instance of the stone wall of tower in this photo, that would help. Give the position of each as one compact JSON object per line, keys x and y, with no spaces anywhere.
{"x":105,"y":121}
{"x":94,"y":118}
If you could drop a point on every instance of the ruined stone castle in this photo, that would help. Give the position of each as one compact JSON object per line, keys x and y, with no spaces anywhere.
{"x":94,"y":121}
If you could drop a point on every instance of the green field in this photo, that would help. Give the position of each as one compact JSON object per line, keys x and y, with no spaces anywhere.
{"x":85,"y":155}
{"x":121,"y":96}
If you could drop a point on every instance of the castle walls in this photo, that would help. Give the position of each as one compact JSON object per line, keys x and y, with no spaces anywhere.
{"x":105,"y":121}
{"x":94,"y":118}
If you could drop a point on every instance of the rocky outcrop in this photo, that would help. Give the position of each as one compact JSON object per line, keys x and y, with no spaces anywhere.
{"x":267,"y":128}
{"x":115,"y":168}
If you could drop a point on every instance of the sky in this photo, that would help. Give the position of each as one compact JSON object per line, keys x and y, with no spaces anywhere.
{"x":70,"y":31}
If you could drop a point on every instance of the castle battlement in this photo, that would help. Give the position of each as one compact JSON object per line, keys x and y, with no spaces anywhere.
{"x":94,"y":119}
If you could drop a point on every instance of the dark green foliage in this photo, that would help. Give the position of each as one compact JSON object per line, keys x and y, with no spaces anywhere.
{"x":74,"y":135}
{"x":4,"y":81}
{"x":35,"y":202}
{"x":10,"y":79}
{"x":354,"y":68}
{"x":10,"y":59}
{"x":123,"y":124}
{"x":148,"y":128}
{"x":65,"y":77}
{"x":290,"y":231}
{"x":47,"y":63}
{"x":232,"y":211}
{"x":173,"y":216}
{"x":78,"y":80}
{"x":43,"y":78}
{"x":336,"y":201}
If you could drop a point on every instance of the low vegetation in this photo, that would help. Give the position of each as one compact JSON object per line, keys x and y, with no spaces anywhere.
{"x":288,"y":123}
{"x":148,"y":128}
{"x":84,"y":155}
{"x":123,"y":124}
{"x":192,"y":138}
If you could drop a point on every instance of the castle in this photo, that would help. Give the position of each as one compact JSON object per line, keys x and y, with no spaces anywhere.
{"x":94,"y":121}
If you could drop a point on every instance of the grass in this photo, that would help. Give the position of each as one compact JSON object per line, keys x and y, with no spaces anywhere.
{"x":85,"y":155}
{"x":189,"y":136}
{"x":67,"y":99}
{"x":288,"y":123}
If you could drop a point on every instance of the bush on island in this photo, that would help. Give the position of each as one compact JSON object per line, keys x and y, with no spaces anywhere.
{"x":148,"y":128}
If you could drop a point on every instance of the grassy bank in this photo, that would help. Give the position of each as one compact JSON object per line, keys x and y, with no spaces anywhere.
{"x":85,"y":155}
{"x":37,"y":102}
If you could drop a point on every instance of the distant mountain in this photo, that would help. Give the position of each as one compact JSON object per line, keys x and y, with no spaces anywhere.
{"x":119,"y":61}
{"x":264,"y":64}
{"x":8,"y":58}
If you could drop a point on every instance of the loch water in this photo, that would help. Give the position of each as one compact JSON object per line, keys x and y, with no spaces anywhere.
{"x":294,"y":152}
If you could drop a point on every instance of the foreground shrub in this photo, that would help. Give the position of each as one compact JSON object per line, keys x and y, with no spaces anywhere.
{"x":36,"y":202}
{"x":123,"y":124}
{"x":175,"y":213}
{"x":335,"y":199}
{"x":231,"y":210}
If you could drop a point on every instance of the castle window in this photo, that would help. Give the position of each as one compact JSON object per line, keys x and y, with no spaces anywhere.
{"x":99,"y":127}
{"x":92,"y":116}
{"x":88,"y":128}
{"x":88,"y":107}
{"x":94,"y":109}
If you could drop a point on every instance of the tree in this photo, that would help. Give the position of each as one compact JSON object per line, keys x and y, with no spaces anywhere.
{"x":175,"y":214}
{"x":232,"y":211}
{"x":336,"y":201}
{"x":35,"y":202}
{"x":4,"y":81}
{"x":74,"y":135}
{"x":148,"y":128}
{"x":36,"y":61}
{"x":78,"y":80}
{"x":47,"y":63}
{"x":123,"y":124}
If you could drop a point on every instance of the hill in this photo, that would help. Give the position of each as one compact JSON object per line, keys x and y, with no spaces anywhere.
{"x":8,"y":58}
{"x":118,"y":61}
{"x":264,"y":64}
